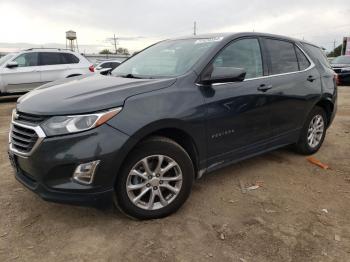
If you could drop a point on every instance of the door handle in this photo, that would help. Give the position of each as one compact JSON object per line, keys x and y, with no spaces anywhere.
{"x":311,"y":78}
{"x":264,"y":87}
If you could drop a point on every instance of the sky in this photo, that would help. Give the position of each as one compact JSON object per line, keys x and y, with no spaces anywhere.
{"x":139,"y":23}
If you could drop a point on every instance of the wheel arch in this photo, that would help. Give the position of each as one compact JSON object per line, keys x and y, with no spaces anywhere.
{"x":179,"y":135}
{"x":328,"y":107}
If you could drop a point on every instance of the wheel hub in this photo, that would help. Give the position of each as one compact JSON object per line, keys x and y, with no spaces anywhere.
{"x":154,"y":181}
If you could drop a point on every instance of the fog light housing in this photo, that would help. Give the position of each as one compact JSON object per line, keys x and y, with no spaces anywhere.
{"x":84,"y":173}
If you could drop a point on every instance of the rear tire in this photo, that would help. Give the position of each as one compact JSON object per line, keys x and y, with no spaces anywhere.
{"x":313,"y":132}
{"x":155,"y":180}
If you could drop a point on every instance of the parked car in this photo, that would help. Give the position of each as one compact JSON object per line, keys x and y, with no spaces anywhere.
{"x":106,"y":67}
{"x":341,"y":65}
{"x":26,"y":70}
{"x":176,"y":110}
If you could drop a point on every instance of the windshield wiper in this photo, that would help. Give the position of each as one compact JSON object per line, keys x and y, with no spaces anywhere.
{"x":130,"y":76}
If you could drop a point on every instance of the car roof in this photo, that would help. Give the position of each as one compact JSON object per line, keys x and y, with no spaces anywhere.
{"x":108,"y":61}
{"x":54,"y":50}
{"x":227,"y":35}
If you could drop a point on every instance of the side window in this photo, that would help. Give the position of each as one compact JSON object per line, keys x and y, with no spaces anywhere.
{"x":28,"y":59}
{"x":114,"y":65}
{"x":106,"y":65}
{"x":282,"y":56}
{"x":244,"y":54}
{"x":50,"y":58}
{"x":303,"y":61}
{"x":318,"y":53}
{"x":67,"y":58}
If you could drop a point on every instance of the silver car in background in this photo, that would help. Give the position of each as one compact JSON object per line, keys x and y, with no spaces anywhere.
{"x":28,"y":69}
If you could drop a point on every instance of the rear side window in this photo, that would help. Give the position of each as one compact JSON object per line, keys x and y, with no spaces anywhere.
{"x":50,"y":58}
{"x":303,"y":61}
{"x":243,"y":54}
{"x":318,"y":54}
{"x":282,"y":56}
{"x":67,"y":58}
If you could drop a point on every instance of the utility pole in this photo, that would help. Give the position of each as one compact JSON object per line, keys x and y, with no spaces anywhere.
{"x":334,"y":42}
{"x":115,"y":43}
{"x":194,"y":28}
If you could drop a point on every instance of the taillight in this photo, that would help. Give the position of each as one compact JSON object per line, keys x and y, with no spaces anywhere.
{"x":336,"y":78}
{"x":91,"y":68}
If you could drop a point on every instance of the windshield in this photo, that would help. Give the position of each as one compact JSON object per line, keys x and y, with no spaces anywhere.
{"x":341,"y":60}
{"x":166,"y":59}
{"x":6,"y":58}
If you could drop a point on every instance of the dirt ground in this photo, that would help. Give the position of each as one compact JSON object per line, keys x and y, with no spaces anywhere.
{"x":301,"y":213}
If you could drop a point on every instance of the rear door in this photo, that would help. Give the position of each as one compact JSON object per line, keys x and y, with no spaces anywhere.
{"x":24,"y":77}
{"x":295,"y":86}
{"x":238,"y":114}
{"x":52,"y":66}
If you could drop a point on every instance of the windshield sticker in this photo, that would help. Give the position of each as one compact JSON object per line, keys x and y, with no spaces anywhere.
{"x":209,"y":40}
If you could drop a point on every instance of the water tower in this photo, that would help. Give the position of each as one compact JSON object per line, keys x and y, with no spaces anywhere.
{"x":71,"y":40}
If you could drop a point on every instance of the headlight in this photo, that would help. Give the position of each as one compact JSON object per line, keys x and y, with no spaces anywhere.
{"x":60,"y":125}
{"x":346,"y":69}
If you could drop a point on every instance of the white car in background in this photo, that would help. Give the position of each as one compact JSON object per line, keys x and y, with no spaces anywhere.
{"x":28,"y":69}
{"x":106,"y":67}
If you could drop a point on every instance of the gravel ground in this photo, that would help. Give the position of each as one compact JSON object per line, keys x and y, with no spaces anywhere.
{"x":300,"y":213}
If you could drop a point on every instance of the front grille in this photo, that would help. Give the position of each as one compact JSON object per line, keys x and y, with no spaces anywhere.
{"x":337,"y":70}
{"x":23,"y":139}
{"x":29,"y":118}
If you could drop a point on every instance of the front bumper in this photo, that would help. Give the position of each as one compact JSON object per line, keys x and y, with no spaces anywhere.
{"x":48,"y":170}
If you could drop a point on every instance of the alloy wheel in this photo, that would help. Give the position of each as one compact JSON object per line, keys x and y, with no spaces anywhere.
{"x":315,"y":131}
{"x":154,"y":182}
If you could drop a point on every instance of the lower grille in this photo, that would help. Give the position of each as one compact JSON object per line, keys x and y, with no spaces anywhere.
{"x":23,"y":139}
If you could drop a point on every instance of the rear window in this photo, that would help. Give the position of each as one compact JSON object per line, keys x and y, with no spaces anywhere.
{"x":282,"y":56}
{"x":318,"y":54}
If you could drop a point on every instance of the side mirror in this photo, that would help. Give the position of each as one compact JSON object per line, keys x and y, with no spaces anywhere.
{"x":223,"y":75}
{"x":12,"y":64}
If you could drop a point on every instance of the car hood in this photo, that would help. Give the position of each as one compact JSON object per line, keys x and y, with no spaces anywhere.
{"x":85,"y":94}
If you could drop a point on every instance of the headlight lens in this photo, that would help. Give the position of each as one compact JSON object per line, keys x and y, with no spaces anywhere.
{"x":61,"y":125}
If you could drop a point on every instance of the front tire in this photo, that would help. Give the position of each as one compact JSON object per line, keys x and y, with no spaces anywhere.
{"x":313,"y":132}
{"x":155,"y":180}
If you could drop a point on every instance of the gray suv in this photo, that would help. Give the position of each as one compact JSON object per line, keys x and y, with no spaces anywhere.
{"x":166,"y":116}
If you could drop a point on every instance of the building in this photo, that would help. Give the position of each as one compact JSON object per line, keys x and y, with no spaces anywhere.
{"x":346,"y":46}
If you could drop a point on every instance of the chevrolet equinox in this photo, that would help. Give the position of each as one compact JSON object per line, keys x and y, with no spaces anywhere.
{"x":178,"y":109}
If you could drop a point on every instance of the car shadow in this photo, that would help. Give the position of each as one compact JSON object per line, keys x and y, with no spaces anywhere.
{"x":8,"y":99}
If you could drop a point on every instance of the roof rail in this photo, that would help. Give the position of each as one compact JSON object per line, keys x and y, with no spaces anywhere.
{"x":50,"y":48}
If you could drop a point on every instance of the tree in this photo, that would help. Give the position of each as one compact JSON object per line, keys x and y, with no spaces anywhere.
{"x":105,"y":52}
{"x":123,"y":51}
{"x":336,"y":52}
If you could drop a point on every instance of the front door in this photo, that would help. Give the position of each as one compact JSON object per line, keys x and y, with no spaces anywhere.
{"x":238,"y":119}
{"x":25,"y":76}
